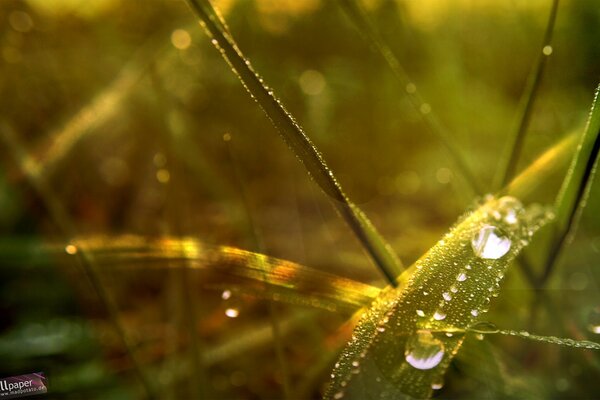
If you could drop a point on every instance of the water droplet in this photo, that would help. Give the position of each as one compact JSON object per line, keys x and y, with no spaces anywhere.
{"x":420,"y":313}
{"x":232,"y":312}
{"x":474,"y":313}
{"x":447,"y":296}
{"x":453,"y":289}
{"x":461,"y":277}
{"x":226,"y":294}
{"x":338,"y":395}
{"x":547,"y":50}
{"x":439,"y":315}
{"x":490,"y":243}
{"x":467,"y":266}
{"x":437,"y":384}
{"x":381,"y":328}
{"x":479,"y":336}
{"x":423,"y":351}
{"x":411,"y":88}
{"x":355,"y":363}
{"x":484,"y":327}
{"x":425,"y":108}
{"x":594,"y":320}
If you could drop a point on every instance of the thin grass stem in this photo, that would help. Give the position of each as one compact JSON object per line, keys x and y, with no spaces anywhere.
{"x":380,"y":251}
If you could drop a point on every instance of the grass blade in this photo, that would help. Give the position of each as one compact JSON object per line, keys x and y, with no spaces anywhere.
{"x":575,"y":187}
{"x":509,"y":164}
{"x":361,"y":20}
{"x":381,"y":253}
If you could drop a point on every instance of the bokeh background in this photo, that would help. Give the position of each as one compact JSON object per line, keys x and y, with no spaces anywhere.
{"x":139,"y":127}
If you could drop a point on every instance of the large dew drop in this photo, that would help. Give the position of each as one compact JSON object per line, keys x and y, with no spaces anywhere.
{"x":490,"y":243}
{"x":423,"y":351}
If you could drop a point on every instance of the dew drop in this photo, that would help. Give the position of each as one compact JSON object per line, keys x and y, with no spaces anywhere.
{"x":474,"y":313}
{"x":447,"y":296}
{"x":547,"y":50}
{"x":594,"y":320}
{"x":338,"y":395}
{"x":490,"y":243}
{"x":423,"y":351}
{"x":437,"y":384}
{"x":453,"y":289}
{"x":439,"y":315}
{"x":461,"y":277}
{"x":355,"y":363}
{"x":232,"y":312}
{"x":226,"y":294}
{"x":420,"y":313}
{"x":381,"y":328}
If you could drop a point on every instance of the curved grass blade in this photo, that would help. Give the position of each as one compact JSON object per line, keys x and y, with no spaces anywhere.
{"x":381,"y":252}
{"x":575,"y":187}
{"x":398,"y":349}
{"x":361,"y":20}
{"x":509,"y":163}
{"x":223,"y":267}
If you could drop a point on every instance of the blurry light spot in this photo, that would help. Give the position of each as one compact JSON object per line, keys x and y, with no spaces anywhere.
{"x":547,"y":50}
{"x":312,"y":82}
{"x":425,"y":108}
{"x":20,"y":21}
{"x":71,"y":249}
{"x":181,"y":39}
{"x":593,"y":320}
{"x":232,"y":312}
{"x":443,"y":175}
{"x":578,"y":281}
{"x":226,"y":294}
{"x":227,"y":137}
{"x":163,"y":175}
{"x":411,"y":88}
{"x":562,"y":385}
{"x":408,"y":182}
{"x":159,"y":160}
{"x":114,"y":171}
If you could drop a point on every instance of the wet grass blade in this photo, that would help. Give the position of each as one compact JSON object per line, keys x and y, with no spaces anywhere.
{"x":361,"y":20}
{"x":403,"y":345}
{"x":380,"y":251}
{"x":510,"y":162}
{"x":575,"y":188}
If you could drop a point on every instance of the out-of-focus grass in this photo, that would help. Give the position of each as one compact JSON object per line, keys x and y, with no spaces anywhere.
{"x":158,"y":165}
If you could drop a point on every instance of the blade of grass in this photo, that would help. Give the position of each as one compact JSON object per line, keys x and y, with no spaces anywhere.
{"x":381,"y":252}
{"x":83,"y":259}
{"x":575,"y":188}
{"x":356,"y":13}
{"x":509,"y":163}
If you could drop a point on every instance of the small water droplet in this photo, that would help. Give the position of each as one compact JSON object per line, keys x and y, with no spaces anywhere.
{"x":490,"y":243}
{"x":474,"y":313}
{"x":381,"y":328}
{"x":420,"y":313}
{"x":479,"y":336}
{"x":447,"y":296}
{"x":547,"y":50}
{"x":468,"y":266}
{"x":226,"y":294}
{"x":423,"y":351}
{"x":594,"y":320}
{"x":425,"y":293}
{"x":439,"y":315}
{"x":232,"y":312}
{"x":338,"y":395}
{"x":453,"y":289}
{"x":437,"y":384}
{"x":355,"y":363}
{"x":461,"y":277}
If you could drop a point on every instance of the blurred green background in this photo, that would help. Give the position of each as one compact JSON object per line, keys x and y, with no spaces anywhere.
{"x":140,"y":127}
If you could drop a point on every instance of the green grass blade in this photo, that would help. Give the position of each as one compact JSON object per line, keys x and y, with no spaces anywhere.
{"x":510,"y":162}
{"x":381,"y":253}
{"x":575,"y":187}
{"x":451,"y":288}
{"x":361,"y":20}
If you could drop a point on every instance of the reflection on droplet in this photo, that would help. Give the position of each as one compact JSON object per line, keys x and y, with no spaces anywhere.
{"x":420,"y":313}
{"x":490,"y":243}
{"x":461,"y":277}
{"x":439,"y":315}
{"x":447,"y":296}
{"x":181,"y":39}
{"x":547,"y":50}
{"x":474,"y":313}
{"x":423,"y":351}
{"x":232,"y":312}
{"x":226,"y":294}
{"x":312,"y":82}
{"x":594,"y":320}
